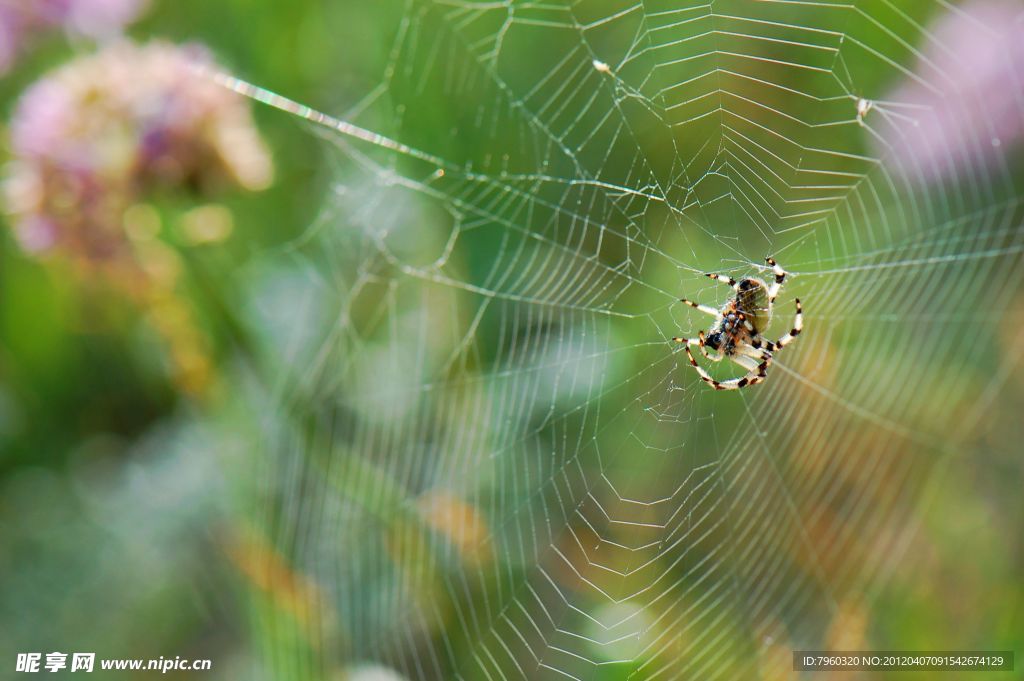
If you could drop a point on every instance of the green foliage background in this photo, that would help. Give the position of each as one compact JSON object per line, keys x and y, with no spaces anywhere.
{"x":138,"y":521}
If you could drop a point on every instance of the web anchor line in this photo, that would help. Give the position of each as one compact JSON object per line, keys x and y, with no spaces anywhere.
{"x":265,"y":96}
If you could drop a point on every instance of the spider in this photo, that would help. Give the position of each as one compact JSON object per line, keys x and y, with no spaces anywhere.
{"x":738,"y":326}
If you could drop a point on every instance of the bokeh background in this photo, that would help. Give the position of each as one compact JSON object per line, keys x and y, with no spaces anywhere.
{"x":318,"y":408}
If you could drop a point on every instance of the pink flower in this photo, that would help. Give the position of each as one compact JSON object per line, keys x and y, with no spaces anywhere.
{"x":965,"y":99}
{"x":94,"y":137}
{"x":12,"y":30}
{"x":93,"y":18}
{"x":21,"y":19}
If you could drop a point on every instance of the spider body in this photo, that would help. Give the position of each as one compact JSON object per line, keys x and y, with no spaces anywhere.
{"x":751,"y":304}
{"x":738,"y":328}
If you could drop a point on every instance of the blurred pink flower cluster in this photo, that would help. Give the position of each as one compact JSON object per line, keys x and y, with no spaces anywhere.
{"x":93,"y":138}
{"x":964,"y":99}
{"x":22,"y":19}
{"x":100,"y":144}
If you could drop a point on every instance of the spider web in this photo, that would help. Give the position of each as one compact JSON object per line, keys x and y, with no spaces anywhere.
{"x":510,"y":471}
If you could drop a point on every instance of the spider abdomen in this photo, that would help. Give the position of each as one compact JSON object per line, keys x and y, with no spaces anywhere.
{"x":752,"y":301}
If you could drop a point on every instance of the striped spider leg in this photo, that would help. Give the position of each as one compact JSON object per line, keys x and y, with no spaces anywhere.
{"x":756,"y":372}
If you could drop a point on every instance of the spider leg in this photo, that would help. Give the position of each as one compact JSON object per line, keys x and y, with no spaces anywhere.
{"x":723,"y":278}
{"x":798,"y":326}
{"x":753,"y":367}
{"x":780,"y":276}
{"x":756,"y":350}
{"x":699,"y":341}
{"x":703,"y":308}
{"x":755,"y":374}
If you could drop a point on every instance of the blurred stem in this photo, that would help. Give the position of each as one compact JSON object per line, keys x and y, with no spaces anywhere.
{"x":232,"y":325}
{"x":361,"y":481}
